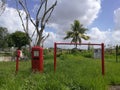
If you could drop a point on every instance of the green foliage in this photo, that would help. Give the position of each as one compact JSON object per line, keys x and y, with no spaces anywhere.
{"x":83,"y":53}
{"x":74,"y":72}
{"x":26,"y":53}
{"x":48,"y":53}
{"x":10,"y":40}
{"x":3,"y":37}
{"x":18,"y":38}
{"x":77,"y":33}
{"x":87,"y":54}
{"x":75,"y":51}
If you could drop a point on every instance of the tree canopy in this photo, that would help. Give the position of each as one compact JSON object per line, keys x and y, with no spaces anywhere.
{"x":76,"y":33}
{"x":3,"y":37}
{"x":18,"y":39}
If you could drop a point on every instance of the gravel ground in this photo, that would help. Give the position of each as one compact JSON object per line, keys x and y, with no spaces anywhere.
{"x":115,"y":87}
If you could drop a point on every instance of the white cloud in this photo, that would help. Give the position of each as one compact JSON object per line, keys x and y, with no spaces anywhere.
{"x":116,"y":36}
{"x":98,"y":36}
{"x":11,"y":20}
{"x":65,"y":13}
{"x":109,"y":36}
{"x":116,"y":32}
{"x":117,"y":19}
{"x":50,"y":40}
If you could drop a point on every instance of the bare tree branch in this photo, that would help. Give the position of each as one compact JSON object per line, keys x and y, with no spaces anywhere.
{"x":45,"y":13}
{"x":37,"y":16}
{"x":25,"y":26}
{"x":2,"y":6}
{"x":41,"y":18}
{"x":43,"y":40}
{"x":49,"y":15}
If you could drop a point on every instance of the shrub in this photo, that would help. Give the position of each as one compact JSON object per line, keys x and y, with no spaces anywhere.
{"x":75,"y":51}
{"x":48,"y":54}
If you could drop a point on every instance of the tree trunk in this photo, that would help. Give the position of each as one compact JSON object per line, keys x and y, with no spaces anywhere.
{"x":40,"y":37}
{"x":76,"y":46}
{"x":39,"y":41}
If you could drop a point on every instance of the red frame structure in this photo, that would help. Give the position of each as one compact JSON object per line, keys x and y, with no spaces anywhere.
{"x":102,"y":53}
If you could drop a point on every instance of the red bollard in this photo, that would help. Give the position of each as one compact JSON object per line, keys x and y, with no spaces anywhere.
{"x":103,"y":65}
{"x":55,"y":49}
{"x":17,"y":60}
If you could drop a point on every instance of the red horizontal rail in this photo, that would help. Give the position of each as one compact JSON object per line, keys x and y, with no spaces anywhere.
{"x":77,"y":43}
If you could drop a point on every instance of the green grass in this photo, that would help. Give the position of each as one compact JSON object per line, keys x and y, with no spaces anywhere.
{"x":74,"y":72}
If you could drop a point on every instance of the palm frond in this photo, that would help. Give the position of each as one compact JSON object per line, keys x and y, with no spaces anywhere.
{"x":77,"y":32}
{"x":85,"y":37}
{"x":74,"y":40}
{"x":69,"y":34}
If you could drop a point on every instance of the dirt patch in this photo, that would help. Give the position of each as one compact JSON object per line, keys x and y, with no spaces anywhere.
{"x":114,"y":87}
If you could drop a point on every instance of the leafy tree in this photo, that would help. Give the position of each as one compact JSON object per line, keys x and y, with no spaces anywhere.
{"x":10,"y":41}
{"x":3,"y":37}
{"x":119,"y":47}
{"x":18,"y":39}
{"x":77,"y":33}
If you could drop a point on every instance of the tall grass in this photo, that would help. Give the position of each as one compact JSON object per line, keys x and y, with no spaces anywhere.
{"x":74,"y":72}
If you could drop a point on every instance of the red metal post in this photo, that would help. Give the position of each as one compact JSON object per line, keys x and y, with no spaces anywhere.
{"x":55,"y":48}
{"x":17,"y":63}
{"x":17,"y":60}
{"x":102,"y":57}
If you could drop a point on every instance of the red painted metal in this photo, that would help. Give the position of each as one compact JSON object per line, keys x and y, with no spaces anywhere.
{"x":102,"y":53}
{"x":17,"y":63}
{"x":17,"y":60}
{"x":37,"y":59}
{"x":76,"y":43}
{"x":55,"y":48}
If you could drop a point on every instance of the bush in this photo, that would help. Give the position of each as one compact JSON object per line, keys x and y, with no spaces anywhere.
{"x":47,"y":54}
{"x":75,"y":51}
{"x":88,"y":55}
{"x":26,"y":53}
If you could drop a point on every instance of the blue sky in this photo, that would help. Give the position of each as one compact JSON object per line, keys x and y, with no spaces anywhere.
{"x":105,"y":18}
{"x":97,"y":15}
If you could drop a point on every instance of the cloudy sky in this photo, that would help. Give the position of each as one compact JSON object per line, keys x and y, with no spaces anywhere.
{"x":101,"y":17}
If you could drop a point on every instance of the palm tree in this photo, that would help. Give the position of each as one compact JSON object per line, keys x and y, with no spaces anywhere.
{"x":77,"y":33}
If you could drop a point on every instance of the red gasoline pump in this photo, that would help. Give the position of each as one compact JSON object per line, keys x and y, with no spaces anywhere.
{"x":37,"y":58}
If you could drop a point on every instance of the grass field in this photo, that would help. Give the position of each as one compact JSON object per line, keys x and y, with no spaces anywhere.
{"x":74,"y":72}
